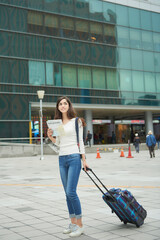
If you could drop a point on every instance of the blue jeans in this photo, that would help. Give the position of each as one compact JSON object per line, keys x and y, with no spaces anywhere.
{"x":70,"y":168}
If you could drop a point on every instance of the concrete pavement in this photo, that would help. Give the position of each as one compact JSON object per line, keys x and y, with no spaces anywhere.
{"x":32,"y":200}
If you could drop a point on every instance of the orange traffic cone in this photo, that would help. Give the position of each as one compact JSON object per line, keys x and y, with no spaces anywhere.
{"x":129,"y":153}
{"x":122,"y":153}
{"x":98,"y":154}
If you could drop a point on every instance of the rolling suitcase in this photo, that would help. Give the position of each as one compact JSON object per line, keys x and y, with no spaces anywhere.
{"x":122,"y":203}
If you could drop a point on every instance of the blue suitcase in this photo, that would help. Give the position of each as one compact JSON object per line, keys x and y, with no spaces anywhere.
{"x":122,"y":203}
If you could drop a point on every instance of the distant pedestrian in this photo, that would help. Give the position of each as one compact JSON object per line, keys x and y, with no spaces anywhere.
{"x":158,"y":140}
{"x":113,"y":137}
{"x":123,"y":137}
{"x":136,"y":142}
{"x":88,"y":138}
{"x":151,"y":143}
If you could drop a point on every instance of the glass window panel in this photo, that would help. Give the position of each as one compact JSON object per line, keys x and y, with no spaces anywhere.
{"x":134,"y":17}
{"x":123,"y":36}
{"x":111,"y":56}
{"x":51,"y":5}
{"x":4,"y":17}
{"x":95,"y":10}
{"x":110,"y":34}
{"x":22,"y":3}
{"x":49,"y":73}
{"x":66,"y":6}
{"x":148,"y":60}
{"x":82,"y":8}
{"x":109,"y":12}
{"x":36,"y":73}
{"x":124,"y":58}
{"x":157,"y":62}
{"x":35,"y":22}
{"x":158,"y":82}
{"x":4,"y":43}
{"x":82,"y":29}
{"x":37,"y":4}
{"x":112,"y":79}
{"x":96,"y":32}
{"x":52,"y":49}
{"x":156,"y":41}
{"x":136,"y":59}
{"x":138,"y":81}
{"x":99,"y":80}
{"x":66,"y":27}
{"x":84,"y":77}
{"x":147,"y":41}
{"x":4,"y":75}
{"x":150,"y":85}
{"x":51,"y":25}
{"x":98,"y":54}
{"x":4,"y":1}
{"x":146,"y":20}
{"x":68,"y":51}
{"x":155,"y":22}
{"x":127,"y":98}
{"x":135,"y":38}
{"x":18,"y":45}
{"x":18,"y":20}
{"x":19,"y":71}
{"x":83,"y":53}
{"x":57,"y":74}
{"x":125,"y":80}
{"x":122,"y":15}
{"x":69,"y":76}
{"x":36,"y":47}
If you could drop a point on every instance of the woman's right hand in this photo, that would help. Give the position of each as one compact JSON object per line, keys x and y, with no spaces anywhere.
{"x":49,"y":133}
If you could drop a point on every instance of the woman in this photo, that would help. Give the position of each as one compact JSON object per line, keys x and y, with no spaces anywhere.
{"x":70,"y":161}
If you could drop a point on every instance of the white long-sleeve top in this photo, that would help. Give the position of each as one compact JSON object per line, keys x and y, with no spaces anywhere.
{"x":68,"y":142}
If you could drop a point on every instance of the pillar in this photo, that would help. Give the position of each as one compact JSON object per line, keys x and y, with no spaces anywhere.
{"x":88,"y":119}
{"x":148,"y":122}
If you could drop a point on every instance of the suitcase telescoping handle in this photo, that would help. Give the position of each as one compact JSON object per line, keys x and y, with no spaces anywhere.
{"x":89,"y":169}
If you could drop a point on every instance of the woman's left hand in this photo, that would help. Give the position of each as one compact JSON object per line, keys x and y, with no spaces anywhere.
{"x":85,"y":165}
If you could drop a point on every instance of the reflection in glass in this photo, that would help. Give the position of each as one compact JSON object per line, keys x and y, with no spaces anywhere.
{"x":69,"y":76}
{"x":95,"y":10}
{"x":122,"y":15}
{"x":136,"y":59}
{"x":110,"y":34}
{"x":157,"y":62}
{"x":147,"y":40}
{"x":109,"y":14}
{"x":150,"y":85}
{"x":96,"y":32}
{"x":52,"y":49}
{"x":123,"y":36}
{"x":36,"y":73}
{"x":99,"y":78}
{"x":98,"y":54}
{"x":125,"y":80}
{"x":112,"y":79}
{"x":57,"y":74}
{"x":66,"y":6}
{"x":156,"y":41}
{"x":82,"y":8}
{"x":145,"y":20}
{"x":51,"y":5}
{"x":49,"y":73}
{"x":134,"y":17}
{"x":35,"y":22}
{"x":84,"y":77}
{"x":83,"y":53}
{"x":148,"y":61}
{"x":51,"y":25}
{"x":158,"y":82}
{"x":68,"y":51}
{"x":155,"y":22}
{"x":135,"y":38}
{"x":66,"y":27}
{"x":138,"y":81}
{"x":111,"y":56}
{"x":82,"y":29}
{"x":124,"y":58}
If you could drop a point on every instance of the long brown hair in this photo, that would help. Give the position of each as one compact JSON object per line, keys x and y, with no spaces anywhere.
{"x":71,"y":111}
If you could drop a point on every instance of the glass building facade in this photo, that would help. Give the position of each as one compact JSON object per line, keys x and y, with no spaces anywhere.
{"x":95,"y":52}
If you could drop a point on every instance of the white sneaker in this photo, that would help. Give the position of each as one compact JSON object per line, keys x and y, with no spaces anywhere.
{"x":78,"y":232}
{"x":71,"y":228}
